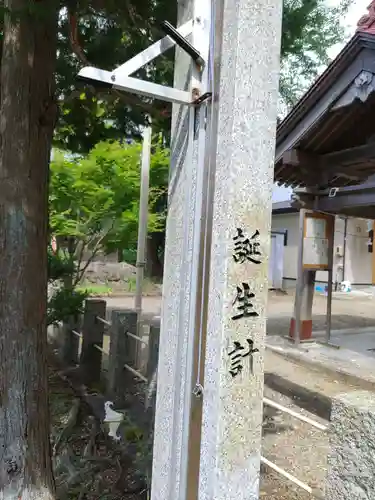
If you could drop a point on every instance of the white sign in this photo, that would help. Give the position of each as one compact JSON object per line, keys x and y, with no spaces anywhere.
{"x":315,"y":242}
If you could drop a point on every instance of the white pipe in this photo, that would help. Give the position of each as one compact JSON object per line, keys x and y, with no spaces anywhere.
{"x":295,"y":414}
{"x":104,"y":321}
{"x":286,"y":474}
{"x":77,"y":334}
{"x":101,"y":349}
{"x":139,"y":339}
{"x":142,"y":223}
{"x":134,"y":372}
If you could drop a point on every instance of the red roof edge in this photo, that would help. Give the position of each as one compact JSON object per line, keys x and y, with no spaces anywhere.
{"x":366,"y":23}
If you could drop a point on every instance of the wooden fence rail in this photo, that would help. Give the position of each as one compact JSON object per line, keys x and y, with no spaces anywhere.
{"x":92,"y":341}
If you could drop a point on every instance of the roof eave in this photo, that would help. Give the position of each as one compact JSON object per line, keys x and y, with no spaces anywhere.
{"x":357,"y":43}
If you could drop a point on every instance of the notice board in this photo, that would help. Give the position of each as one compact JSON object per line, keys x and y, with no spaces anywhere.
{"x":318,"y":234}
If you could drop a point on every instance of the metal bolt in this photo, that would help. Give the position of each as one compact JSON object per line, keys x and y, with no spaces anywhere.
{"x":113,"y":78}
{"x":198,"y":391}
{"x":198,"y":20}
{"x":195,"y":93}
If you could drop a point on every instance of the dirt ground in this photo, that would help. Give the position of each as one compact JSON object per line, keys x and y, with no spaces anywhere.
{"x":348,"y":311}
{"x":295,"y":446}
{"x":291,"y":444}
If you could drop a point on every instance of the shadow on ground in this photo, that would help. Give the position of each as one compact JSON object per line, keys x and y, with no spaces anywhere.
{"x":280,"y":325}
{"x":314,"y":402}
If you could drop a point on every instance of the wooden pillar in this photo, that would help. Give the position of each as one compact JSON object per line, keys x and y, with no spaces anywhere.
{"x":119,"y":353}
{"x":314,"y":253}
{"x":92,"y":338}
{"x":70,"y":341}
{"x":304,"y":301}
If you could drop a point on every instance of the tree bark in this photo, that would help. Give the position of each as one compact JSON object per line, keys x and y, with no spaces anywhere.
{"x":27,"y":117}
{"x":155,"y":246}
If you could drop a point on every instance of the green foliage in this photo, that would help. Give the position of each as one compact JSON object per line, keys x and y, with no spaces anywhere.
{"x":310,"y":29}
{"x":94,"y":204}
{"x":60,"y":266}
{"x":107,"y":33}
{"x":95,"y":290}
{"x":65,"y":303}
{"x":110,"y":32}
{"x":94,"y":199}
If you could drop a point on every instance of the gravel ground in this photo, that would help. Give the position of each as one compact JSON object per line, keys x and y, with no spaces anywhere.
{"x":297,"y":447}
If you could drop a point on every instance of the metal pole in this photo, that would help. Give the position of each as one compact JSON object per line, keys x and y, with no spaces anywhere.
{"x":142,"y":222}
{"x":197,"y":143}
{"x":329,"y":289}
{"x":186,"y":200}
{"x":300,"y":279}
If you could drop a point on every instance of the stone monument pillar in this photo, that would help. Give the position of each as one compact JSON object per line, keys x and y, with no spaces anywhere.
{"x":246,"y":91}
{"x":208,"y":421}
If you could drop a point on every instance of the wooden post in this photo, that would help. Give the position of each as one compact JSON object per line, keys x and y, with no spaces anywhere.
{"x":122,"y":322}
{"x":70,"y":342}
{"x":92,"y":332}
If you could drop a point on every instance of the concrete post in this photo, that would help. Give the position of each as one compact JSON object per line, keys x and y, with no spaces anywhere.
{"x":351,"y":458}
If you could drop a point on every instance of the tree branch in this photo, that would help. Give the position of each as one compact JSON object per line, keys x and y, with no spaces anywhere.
{"x":81,"y":272}
{"x":73,"y":38}
{"x":78,"y":51}
{"x":69,"y":426}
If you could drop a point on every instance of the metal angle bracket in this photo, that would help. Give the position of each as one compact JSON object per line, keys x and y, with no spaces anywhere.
{"x":121,"y":80}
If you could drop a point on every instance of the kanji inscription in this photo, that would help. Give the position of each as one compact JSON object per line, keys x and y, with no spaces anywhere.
{"x":238,"y":353}
{"x":245,"y":308}
{"x":246,"y":249}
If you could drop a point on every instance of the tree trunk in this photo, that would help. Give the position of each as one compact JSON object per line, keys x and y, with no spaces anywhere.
{"x":155,"y":246}
{"x":27,"y":116}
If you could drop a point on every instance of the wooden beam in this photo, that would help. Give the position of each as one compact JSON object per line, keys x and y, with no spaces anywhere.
{"x":349,"y":199}
{"x":343,"y":163}
{"x":298,"y":158}
{"x":349,"y":156}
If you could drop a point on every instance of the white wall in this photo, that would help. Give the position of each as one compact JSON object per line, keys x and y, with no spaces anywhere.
{"x":358,"y":267}
{"x":358,"y":261}
{"x":288,"y":222}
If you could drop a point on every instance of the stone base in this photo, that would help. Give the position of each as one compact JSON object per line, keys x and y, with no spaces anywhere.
{"x":351,"y":458}
{"x":305,"y":332}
